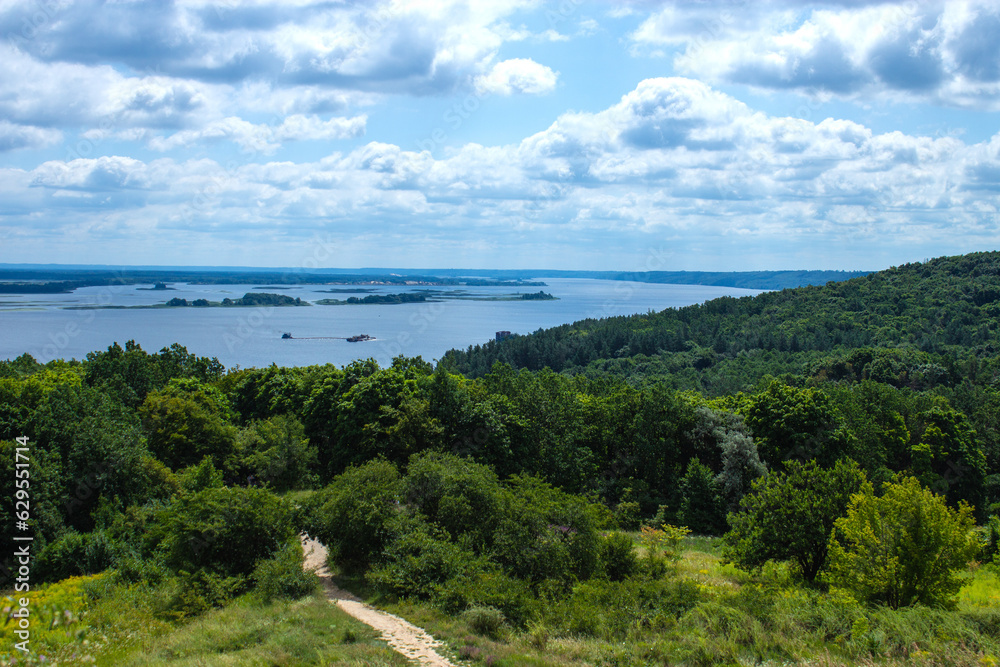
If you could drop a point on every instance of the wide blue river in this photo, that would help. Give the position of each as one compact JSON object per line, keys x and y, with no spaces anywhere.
{"x":41,"y":326}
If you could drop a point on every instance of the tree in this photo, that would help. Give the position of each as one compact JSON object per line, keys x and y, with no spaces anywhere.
{"x":702,"y":507}
{"x":792,"y":423}
{"x":187,"y":420}
{"x":948,"y":457}
{"x":902,"y":548}
{"x":278,"y":453}
{"x":789,"y":515}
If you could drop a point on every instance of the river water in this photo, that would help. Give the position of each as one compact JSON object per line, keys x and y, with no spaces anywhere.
{"x":251,"y":336}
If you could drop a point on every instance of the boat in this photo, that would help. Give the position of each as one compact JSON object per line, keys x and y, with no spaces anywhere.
{"x":286,"y":335}
{"x":360,"y":338}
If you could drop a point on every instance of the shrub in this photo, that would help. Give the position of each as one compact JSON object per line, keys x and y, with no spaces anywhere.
{"x":627,"y":515}
{"x":351,"y":514}
{"x":225,"y":530}
{"x":460,"y":496}
{"x":198,"y":592}
{"x":282,"y":576}
{"x":420,"y":560}
{"x":490,"y":588}
{"x":75,"y":554}
{"x":544,"y":533}
{"x":902,"y":548}
{"x":702,"y":506}
{"x":485,"y":620}
{"x":63,"y":558}
{"x":617,"y":557}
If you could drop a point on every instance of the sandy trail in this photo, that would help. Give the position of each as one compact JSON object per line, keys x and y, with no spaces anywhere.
{"x":408,"y":639}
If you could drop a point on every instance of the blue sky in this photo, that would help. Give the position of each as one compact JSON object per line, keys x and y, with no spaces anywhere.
{"x":624,"y":135}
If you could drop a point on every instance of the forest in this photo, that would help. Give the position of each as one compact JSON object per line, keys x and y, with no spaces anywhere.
{"x":811,"y":474}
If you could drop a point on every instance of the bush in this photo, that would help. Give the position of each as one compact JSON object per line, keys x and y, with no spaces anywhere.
{"x":282,"y":576}
{"x":352,"y":513}
{"x":484,"y":620}
{"x":460,"y":496}
{"x":198,"y":592}
{"x":225,"y":530}
{"x":420,"y":560}
{"x":627,"y":515}
{"x":490,"y":588}
{"x":75,"y":554}
{"x":902,"y":548}
{"x":702,"y":506}
{"x":617,"y":557}
{"x":544,"y":533}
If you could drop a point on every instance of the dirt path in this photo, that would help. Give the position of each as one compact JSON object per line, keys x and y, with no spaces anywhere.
{"x":406,"y":638}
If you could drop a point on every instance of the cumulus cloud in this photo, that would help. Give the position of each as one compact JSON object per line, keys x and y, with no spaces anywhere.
{"x":262,"y":138}
{"x":387,"y":47}
{"x":674,"y":157}
{"x":945,"y":53}
{"x":26,"y":136}
{"x":517,"y":75}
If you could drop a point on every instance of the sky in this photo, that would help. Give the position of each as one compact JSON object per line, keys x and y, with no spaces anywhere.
{"x":630,"y":135}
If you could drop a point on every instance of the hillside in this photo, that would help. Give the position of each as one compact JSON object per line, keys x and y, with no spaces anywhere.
{"x":947,"y":306}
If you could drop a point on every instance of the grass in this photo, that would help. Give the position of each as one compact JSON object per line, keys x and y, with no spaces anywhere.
{"x":735,"y":617}
{"x":121,"y":628}
{"x":310,"y":631}
{"x":766,"y":618}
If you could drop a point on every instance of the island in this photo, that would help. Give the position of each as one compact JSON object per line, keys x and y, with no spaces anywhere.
{"x":431,"y":296}
{"x":538,"y":296}
{"x":248,"y":299}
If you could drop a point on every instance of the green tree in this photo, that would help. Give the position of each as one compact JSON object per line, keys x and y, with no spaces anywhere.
{"x":186,"y":421}
{"x":789,"y":515}
{"x":902,"y":548}
{"x":276,"y":452}
{"x":949,"y":458}
{"x":702,"y":507}
{"x":794,"y":424}
{"x":352,"y":514}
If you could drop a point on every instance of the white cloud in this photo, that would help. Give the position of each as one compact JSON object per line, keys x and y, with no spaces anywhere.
{"x":517,"y":75}
{"x":26,"y":136}
{"x":945,"y":53}
{"x":672,"y":156}
{"x":262,"y":138}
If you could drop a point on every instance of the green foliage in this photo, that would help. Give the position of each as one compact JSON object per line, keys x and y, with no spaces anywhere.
{"x":186,"y":421}
{"x":789,"y":515}
{"x":485,"y":620}
{"x":420,"y":560}
{"x":462,"y":497}
{"x":130,"y":373}
{"x":282,"y":576}
{"x":199,"y":477}
{"x":225,"y":530}
{"x":794,"y":424}
{"x":544,"y":533}
{"x":351,"y":515}
{"x":702,"y":506}
{"x":277,"y":452}
{"x":74,"y":554}
{"x":901,"y":548}
{"x":194,"y":593}
{"x":616,"y":558}
{"x":949,"y":458}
